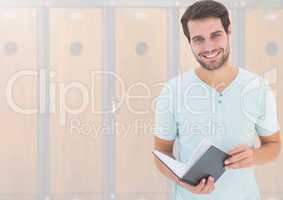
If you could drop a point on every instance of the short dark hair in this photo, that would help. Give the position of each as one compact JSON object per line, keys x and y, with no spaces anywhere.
{"x":204,"y":9}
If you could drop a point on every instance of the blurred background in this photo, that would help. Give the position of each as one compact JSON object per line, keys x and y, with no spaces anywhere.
{"x":78,"y":84}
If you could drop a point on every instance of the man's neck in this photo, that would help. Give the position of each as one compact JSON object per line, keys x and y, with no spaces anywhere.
{"x":219,"y":78}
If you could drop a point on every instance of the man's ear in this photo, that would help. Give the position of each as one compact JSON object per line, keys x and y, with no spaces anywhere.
{"x":229,"y":29}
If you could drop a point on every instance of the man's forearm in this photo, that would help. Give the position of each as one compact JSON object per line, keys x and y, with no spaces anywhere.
{"x":266,"y":153}
{"x":163,"y":169}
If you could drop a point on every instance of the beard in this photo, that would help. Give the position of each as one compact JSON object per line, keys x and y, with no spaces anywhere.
{"x":219,"y":62}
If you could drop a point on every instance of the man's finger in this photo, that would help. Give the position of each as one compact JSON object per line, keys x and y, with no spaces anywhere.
{"x":240,"y":164}
{"x":208,"y":185}
{"x":238,"y":149}
{"x":235,"y":158}
{"x":211,"y":188}
{"x":198,"y":188}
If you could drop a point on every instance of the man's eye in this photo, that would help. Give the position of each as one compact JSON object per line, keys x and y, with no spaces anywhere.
{"x":215,"y":35}
{"x":198,"y":40}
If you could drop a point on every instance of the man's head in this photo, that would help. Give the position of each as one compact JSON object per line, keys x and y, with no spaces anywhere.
{"x":206,"y":24}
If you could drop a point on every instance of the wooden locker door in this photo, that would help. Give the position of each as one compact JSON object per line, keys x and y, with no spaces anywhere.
{"x":141,"y":54}
{"x":264,"y":44}
{"x":76,"y":141}
{"x":18,"y":104}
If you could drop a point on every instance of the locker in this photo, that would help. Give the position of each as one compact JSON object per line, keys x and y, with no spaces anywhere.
{"x":18,"y":150}
{"x":141,"y":42}
{"x":75,"y":95}
{"x":264,"y":45}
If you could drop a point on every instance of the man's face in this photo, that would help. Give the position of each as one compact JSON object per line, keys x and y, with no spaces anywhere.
{"x":209,"y":42}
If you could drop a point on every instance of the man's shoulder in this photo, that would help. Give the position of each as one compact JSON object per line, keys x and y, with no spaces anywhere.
{"x":251,"y":80}
{"x":247,"y":75}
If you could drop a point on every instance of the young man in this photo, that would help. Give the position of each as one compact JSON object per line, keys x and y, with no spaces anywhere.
{"x":228,"y":105}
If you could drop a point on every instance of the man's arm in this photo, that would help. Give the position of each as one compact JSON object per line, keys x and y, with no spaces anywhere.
{"x":269,"y":150}
{"x":244,"y":156}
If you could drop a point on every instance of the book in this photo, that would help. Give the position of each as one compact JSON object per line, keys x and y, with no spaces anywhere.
{"x":206,"y":160}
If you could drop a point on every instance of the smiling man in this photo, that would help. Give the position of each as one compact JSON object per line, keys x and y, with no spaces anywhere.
{"x":237,"y":104}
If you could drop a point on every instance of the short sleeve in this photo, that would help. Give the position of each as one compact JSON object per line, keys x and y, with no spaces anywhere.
{"x":165,"y":126}
{"x":267,"y":122}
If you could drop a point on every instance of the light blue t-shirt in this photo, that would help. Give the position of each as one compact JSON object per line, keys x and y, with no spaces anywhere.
{"x":189,"y":110}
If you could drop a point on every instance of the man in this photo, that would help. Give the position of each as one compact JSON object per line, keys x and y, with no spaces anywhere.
{"x":226,"y":104}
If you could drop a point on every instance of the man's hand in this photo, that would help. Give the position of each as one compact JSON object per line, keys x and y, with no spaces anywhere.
{"x":205,"y":186}
{"x":241,"y":156}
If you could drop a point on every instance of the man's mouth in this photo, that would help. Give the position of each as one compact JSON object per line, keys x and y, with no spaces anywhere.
{"x":212,"y":55}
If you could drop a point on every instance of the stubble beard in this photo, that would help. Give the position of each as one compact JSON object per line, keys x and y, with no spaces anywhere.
{"x":223,"y":60}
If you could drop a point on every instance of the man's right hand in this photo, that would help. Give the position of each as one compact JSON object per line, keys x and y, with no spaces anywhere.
{"x":205,"y":186}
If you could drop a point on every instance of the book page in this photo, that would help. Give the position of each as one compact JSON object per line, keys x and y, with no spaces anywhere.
{"x":177,"y":167}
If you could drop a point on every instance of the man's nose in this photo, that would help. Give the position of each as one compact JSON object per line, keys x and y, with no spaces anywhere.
{"x":208,"y":46}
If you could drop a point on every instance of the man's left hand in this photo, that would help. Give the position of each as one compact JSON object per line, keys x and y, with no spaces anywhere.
{"x":241,"y":157}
